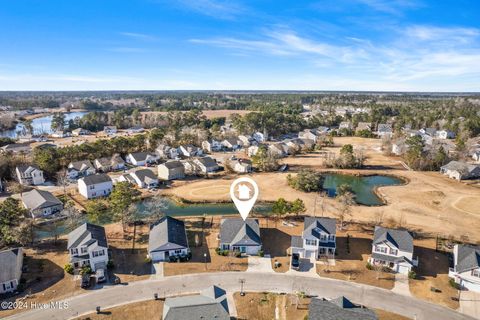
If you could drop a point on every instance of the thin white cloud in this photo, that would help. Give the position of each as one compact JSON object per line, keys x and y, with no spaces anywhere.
{"x":395,"y":7}
{"x":138,"y":36}
{"x":219,"y":9}
{"x":432,"y":33}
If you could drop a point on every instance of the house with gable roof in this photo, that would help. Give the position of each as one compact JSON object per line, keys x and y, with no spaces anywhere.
{"x":87,"y":246}
{"x":466,"y":266}
{"x":318,"y":238}
{"x":338,"y":309}
{"x":393,"y":248}
{"x":167,"y":238}
{"x":240,"y":236}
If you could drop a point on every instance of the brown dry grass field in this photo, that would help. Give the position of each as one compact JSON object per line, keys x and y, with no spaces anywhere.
{"x":201,"y":244}
{"x":429,"y":202}
{"x":261,"y":306}
{"x":141,"y":310}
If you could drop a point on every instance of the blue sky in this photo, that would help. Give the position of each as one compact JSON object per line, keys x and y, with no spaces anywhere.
{"x":397,"y":45}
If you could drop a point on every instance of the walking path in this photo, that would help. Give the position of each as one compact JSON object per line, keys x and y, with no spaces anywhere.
{"x":401,"y":284}
{"x":369,"y":296}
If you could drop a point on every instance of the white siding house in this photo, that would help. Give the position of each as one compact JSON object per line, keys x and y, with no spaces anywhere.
{"x":29,"y":175}
{"x":87,"y":246}
{"x":95,"y":186}
{"x":41,"y":203}
{"x":241,"y":236}
{"x":167,"y":238}
{"x":11,"y":262}
{"x":318,"y":239}
{"x":466,"y":270}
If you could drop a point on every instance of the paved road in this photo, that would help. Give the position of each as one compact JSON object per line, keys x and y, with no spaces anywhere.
{"x":254,"y":281}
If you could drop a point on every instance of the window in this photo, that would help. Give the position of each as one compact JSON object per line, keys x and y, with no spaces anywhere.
{"x":74,"y":251}
{"x":92,"y":187}
{"x":98,"y":253}
{"x":310,"y":242}
{"x":393,"y":251}
{"x":476,"y":273}
{"x":331,"y":238}
{"x":83,"y":250}
{"x":178,"y":251}
{"x":323,"y":237}
{"x":381,"y":249}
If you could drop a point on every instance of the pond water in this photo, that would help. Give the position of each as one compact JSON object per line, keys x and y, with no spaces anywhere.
{"x":362,"y":186}
{"x":40,"y":125}
{"x":172,"y":208}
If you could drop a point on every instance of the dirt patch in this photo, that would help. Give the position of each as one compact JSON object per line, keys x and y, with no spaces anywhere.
{"x":142,"y":310}
{"x":432,"y":272}
{"x":468,"y":204}
{"x":202,"y":237}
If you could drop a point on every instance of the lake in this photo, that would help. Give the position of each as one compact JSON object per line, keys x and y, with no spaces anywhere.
{"x":41,"y":125}
{"x":172,"y":208}
{"x":362,"y":186}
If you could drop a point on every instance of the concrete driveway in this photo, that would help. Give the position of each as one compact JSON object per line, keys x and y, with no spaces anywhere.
{"x":470,"y":303}
{"x":401,"y":284}
{"x":259,"y":264}
{"x":157,"y":270}
{"x":369,"y":296}
{"x":307,"y":267}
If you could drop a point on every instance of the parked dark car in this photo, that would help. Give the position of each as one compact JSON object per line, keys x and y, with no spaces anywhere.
{"x":295,"y":261}
{"x":85,"y":281}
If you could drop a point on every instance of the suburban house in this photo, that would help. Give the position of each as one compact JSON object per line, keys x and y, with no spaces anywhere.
{"x":110,"y":130}
{"x":166,"y":152}
{"x":16,"y":148}
{"x":239,"y":235}
{"x":466,"y":266}
{"x":171,"y":170}
{"x":206,"y":164}
{"x":211,"y":303}
{"x":241,"y":165}
{"x":29,"y":175}
{"x":476,"y":156}
{"x":211,"y":146}
{"x":363,"y":126}
{"x":460,"y":170}
{"x":94,"y":186}
{"x":80,"y":169}
{"x":87,"y":246}
{"x":246,"y":140}
{"x":393,"y":248}
{"x":384,"y":130}
{"x":167,"y":238}
{"x":141,"y":158}
{"x":279,"y":149}
{"x":144,"y":178}
{"x":318,"y":238}
{"x":107,"y":164}
{"x":259,"y":137}
{"x":11,"y":262}
{"x":61,"y":134}
{"x":311,"y":134}
{"x":339,"y":308}
{"x":231,"y":144}
{"x":399,"y":147}
{"x":80,"y":132}
{"x":136,"y":129}
{"x":252,"y":150}
{"x":41,"y":203}
{"x":190,"y":151}
{"x":428,"y":131}
{"x":345,"y":125}
{"x":445,"y":134}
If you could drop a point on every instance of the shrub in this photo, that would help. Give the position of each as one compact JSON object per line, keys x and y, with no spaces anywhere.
{"x":110,"y":264}
{"x":85,"y":270}
{"x":68,"y":268}
{"x":306,"y":181}
{"x":453,"y":284}
{"x":412,"y":274}
{"x":260,"y":253}
{"x":148,"y":260}
{"x":238,"y":254}
{"x":369,"y":266}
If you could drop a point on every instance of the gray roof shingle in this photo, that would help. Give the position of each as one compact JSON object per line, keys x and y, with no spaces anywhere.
{"x":312,"y":226}
{"x":96,"y":179}
{"x":338,"y":309}
{"x":402,"y":239}
{"x":38,"y":199}
{"x":167,"y":234}
{"x":235,"y":231}
{"x":87,"y":234}
{"x":10,"y":264}
{"x":468,"y":258}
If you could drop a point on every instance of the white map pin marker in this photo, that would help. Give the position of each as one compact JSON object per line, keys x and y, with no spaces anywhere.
{"x":245,"y":200}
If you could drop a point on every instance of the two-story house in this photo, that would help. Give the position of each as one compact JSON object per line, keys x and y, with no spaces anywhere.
{"x":107,"y":164}
{"x":94,"y":186}
{"x":167,"y":238}
{"x":318,"y":239}
{"x":29,"y":175}
{"x":87,"y":246}
{"x":239,"y":235}
{"x":466,"y":266}
{"x":79,"y":169}
{"x":141,"y":158}
{"x":211,"y":145}
{"x":41,"y":203}
{"x":166,"y":152}
{"x":143,"y":178}
{"x":206,"y":165}
{"x":393,"y":248}
{"x":171,"y":170}
{"x":11,"y":263}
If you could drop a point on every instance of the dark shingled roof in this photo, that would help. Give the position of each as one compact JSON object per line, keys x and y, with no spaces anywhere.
{"x":167,"y":234}
{"x":139,"y":156}
{"x":146,"y":175}
{"x":312,"y":225}
{"x":207,"y":162}
{"x":173,"y":164}
{"x":235,"y":231}
{"x":297,"y":242}
{"x":10,"y":264}
{"x":81,"y":165}
{"x":402,"y":239}
{"x":468,"y":258}
{"x":95,"y":179}
{"x":24,"y":167}
{"x":338,"y":309}
{"x":87,"y":234}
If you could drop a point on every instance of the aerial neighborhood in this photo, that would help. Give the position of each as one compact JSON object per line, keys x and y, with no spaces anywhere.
{"x":353,"y":194}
